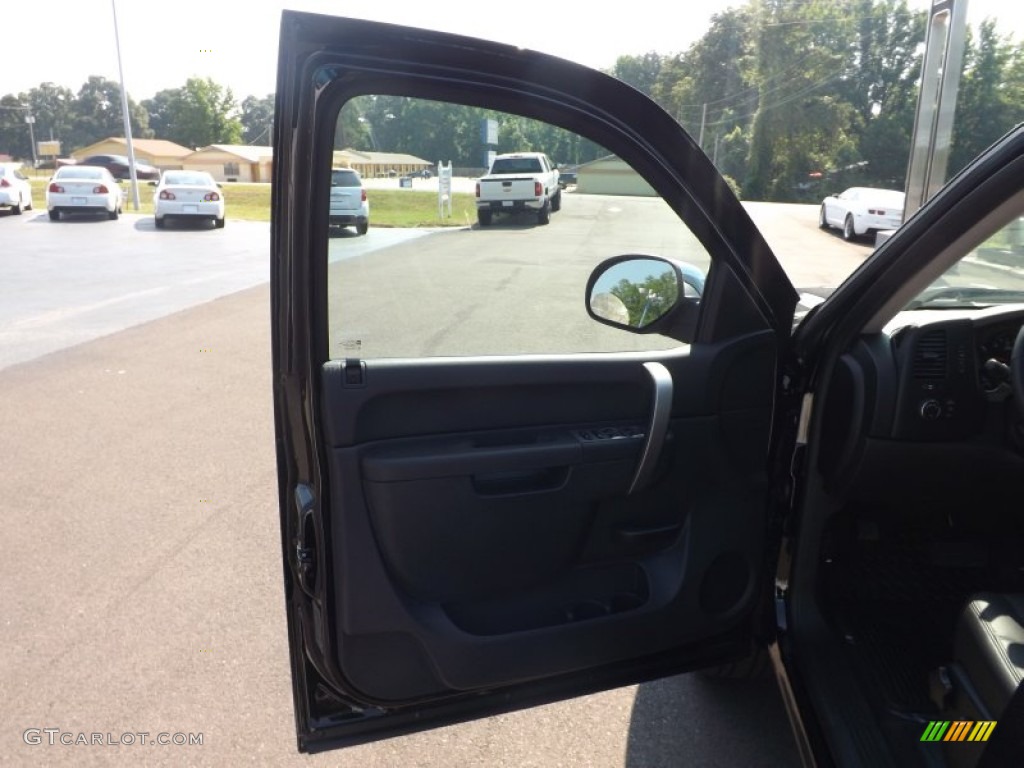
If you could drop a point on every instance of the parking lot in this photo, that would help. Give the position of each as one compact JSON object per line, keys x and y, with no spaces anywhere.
{"x":141,"y":558}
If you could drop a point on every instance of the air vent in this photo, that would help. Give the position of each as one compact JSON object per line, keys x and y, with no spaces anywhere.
{"x":930,"y":356}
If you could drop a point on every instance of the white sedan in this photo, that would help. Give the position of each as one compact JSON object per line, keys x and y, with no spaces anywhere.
{"x":860,"y":210}
{"x":83,"y":189}
{"x":190,"y":195}
{"x":15,"y":191}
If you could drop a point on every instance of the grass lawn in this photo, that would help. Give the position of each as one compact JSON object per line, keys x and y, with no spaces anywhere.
{"x":251,"y":202}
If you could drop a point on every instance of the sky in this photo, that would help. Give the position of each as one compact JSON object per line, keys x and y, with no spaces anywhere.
{"x":235,"y":41}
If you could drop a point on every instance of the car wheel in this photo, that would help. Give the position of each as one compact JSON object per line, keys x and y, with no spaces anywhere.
{"x":822,"y":221}
{"x":362,"y":228}
{"x":556,"y":202}
{"x":848,"y":231}
{"x":484,"y":217}
{"x":160,"y":223}
{"x":112,"y":215}
{"x":219,"y":223}
{"x":54,"y":215}
{"x":544,"y":216}
{"x":16,"y":208}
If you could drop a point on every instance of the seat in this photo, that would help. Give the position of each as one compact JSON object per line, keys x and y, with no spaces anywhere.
{"x":989,"y":649}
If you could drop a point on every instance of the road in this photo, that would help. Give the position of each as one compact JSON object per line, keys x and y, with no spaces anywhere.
{"x":141,"y":572}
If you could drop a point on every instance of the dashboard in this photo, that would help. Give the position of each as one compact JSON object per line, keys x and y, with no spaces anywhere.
{"x":930,"y":377}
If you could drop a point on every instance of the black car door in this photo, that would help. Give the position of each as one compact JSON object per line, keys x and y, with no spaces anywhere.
{"x":488,"y":500}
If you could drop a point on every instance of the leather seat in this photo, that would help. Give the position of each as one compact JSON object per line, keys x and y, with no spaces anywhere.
{"x":989,"y":649}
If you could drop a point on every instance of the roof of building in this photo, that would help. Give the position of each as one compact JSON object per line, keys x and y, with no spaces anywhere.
{"x":379,"y":158}
{"x":160,"y":147}
{"x":248,"y":152}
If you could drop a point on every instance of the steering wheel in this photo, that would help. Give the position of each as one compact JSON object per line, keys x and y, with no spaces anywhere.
{"x":1017,"y":371}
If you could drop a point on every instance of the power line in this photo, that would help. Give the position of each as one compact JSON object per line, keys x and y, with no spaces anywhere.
{"x":781,"y":103}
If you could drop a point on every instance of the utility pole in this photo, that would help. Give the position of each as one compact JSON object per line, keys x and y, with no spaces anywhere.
{"x":32,"y":137}
{"x":124,"y":112}
{"x":703,"y":122}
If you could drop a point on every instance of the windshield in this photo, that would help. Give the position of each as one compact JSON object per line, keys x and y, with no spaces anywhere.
{"x":992,"y":273}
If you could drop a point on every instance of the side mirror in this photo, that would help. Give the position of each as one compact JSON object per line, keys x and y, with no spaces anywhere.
{"x":646,"y":294}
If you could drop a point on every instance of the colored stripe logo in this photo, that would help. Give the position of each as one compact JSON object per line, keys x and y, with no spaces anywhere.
{"x":958,"y":730}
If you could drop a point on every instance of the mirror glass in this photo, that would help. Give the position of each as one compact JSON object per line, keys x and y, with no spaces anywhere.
{"x":636,"y":292}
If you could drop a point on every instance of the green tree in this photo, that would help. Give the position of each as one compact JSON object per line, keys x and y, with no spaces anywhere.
{"x":14,"y":134}
{"x":257,"y":117}
{"x":198,"y":114}
{"x":639,"y":71}
{"x":97,"y":114}
{"x":53,"y":107}
{"x":989,"y":103}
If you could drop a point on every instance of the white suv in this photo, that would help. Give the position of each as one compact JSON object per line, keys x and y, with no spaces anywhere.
{"x":349,"y":206}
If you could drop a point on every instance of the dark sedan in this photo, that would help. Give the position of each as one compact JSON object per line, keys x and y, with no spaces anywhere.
{"x":119,"y":167}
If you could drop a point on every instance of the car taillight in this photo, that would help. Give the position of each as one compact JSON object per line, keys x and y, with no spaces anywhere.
{"x":363,"y":198}
{"x":211,"y":197}
{"x":57,"y":188}
{"x":100,"y":189}
{"x":538,"y":189}
{"x":4,"y":183}
{"x":165,"y":195}
{"x":478,"y":190}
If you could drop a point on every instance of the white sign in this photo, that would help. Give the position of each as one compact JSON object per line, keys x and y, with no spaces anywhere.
{"x":444,"y":189}
{"x":48,"y":148}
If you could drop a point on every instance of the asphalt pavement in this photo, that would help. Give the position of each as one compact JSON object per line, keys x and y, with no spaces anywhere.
{"x":141,"y":552}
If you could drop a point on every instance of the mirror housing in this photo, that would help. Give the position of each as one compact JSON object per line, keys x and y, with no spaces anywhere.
{"x":646,"y":294}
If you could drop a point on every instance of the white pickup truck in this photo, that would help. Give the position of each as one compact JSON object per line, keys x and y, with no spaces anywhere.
{"x":523,"y":181}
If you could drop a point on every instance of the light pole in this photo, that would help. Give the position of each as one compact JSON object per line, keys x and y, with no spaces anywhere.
{"x":32,"y":137}
{"x":124,"y":112}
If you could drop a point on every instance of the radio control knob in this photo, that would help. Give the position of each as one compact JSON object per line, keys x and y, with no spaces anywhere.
{"x":931,"y":410}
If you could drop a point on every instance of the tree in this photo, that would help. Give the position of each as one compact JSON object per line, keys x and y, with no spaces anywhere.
{"x":989,"y":103}
{"x":639,"y":71}
{"x":257,"y":117}
{"x":53,"y":107}
{"x":198,"y":114}
{"x":14,"y":134}
{"x":803,"y":54}
{"x":98,"y":114}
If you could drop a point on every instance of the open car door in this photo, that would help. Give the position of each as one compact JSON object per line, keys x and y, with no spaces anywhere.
{"x":488,"y":499}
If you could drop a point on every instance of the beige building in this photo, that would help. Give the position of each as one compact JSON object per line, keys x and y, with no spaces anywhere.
{"x":375,"y":164}
{"x":165,"y":155}
{"x":233,"y":162}
{"x":611,"y":176}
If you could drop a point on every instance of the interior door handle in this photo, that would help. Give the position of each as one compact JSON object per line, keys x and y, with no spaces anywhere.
{"x":661,"y":408}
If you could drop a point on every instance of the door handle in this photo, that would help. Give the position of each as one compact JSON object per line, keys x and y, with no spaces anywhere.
{"x":661,"y":408}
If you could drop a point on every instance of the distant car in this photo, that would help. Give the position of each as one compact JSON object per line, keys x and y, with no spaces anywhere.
{"x":566,"y":178}
{"x":119,"y":168}
{"x":862,"y":210}
{"x":188,"y":195}
{"x":349,"y":206}
{"x":425,"y":174}
{"x":15,"y":191}
{"x":83,"y":189}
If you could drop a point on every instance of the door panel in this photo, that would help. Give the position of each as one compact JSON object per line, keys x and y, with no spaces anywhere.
{"x":483,"y":533}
